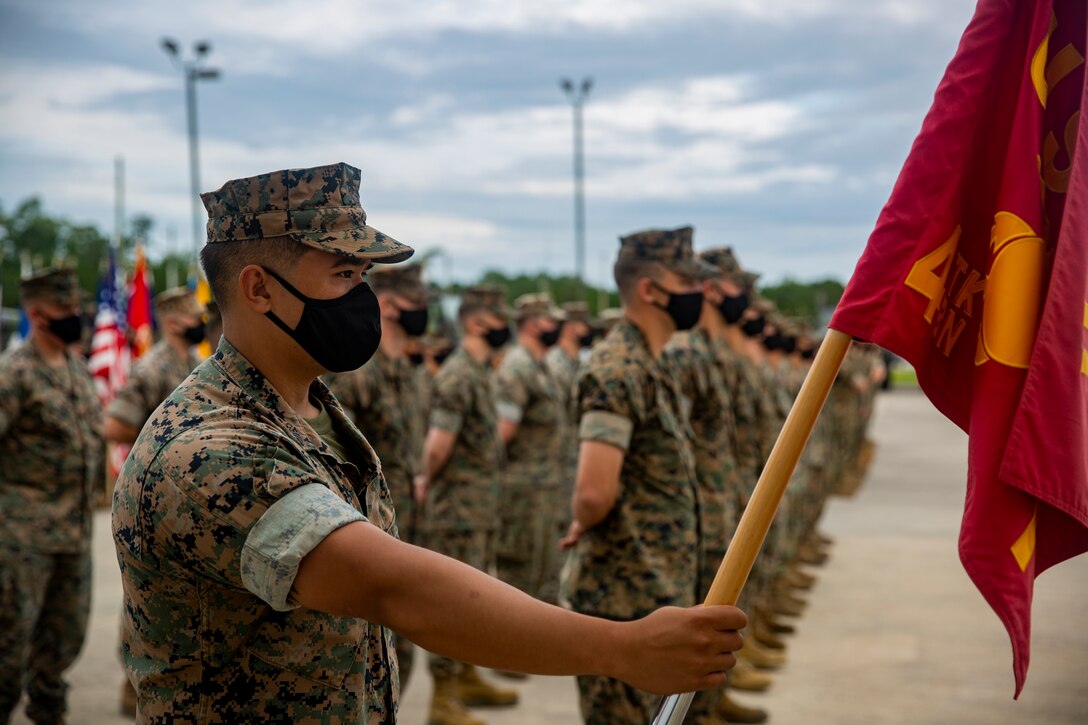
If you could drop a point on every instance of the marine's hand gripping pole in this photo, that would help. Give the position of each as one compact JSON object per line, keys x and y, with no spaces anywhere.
{"x":758,"y":515}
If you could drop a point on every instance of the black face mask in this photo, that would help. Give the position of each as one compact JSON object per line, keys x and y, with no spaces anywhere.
{"x":416,"y":358}
{"x":548,"y":339}
{"x":498,"y":337}
{"x":808,"y":354}
{"x":753,"y":327}
{"x":732,"y":308}
{"x":789,"y":344}
{"x":414,"y":322}
{"x":774,"y":342}
{"x":339,"y":334}
{"x":441,"y":357}
{"x":195,"y":335}
{"x":69,"y":329}
{"x":685,"y":308}
{"x":587,"y":339}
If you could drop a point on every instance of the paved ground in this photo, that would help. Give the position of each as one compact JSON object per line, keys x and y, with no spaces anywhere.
{"x":895,"y":632}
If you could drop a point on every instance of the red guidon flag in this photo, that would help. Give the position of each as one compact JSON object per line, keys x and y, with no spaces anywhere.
{"x":977,"y":274}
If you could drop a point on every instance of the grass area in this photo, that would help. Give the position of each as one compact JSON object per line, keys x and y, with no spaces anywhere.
{"x":903,"y":375}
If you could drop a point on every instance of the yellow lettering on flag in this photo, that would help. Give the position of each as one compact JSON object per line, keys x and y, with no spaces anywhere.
{"x":1084,"y":352}
{"x":1024,"y":547}
{"x":925,"y":278}
{"x":1038,"y":63}
{"x":1014,"y":292}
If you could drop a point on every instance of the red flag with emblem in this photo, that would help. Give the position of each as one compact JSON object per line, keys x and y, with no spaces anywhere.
{"x":977,"y":274}
{"x":139,"y":306}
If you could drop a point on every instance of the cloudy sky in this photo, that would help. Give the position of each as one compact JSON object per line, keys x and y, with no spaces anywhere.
{"x":776,"y":126}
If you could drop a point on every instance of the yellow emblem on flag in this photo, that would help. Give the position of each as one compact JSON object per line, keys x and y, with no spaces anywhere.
{"x":1024,"y":547}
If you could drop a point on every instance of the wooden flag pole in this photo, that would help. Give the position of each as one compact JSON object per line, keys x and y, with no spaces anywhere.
{"x":761,"y":509}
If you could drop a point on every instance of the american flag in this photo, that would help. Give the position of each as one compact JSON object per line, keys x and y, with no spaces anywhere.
{"x":109,"y":350}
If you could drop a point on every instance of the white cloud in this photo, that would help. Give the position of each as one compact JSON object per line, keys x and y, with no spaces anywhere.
{"x":334,"y":27}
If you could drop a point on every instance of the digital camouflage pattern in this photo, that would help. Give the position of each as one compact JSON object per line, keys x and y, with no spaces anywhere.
{"x":318,"y":207}
{"x":152,"y":378}
{"x":723,"y":259}
{"x":645,"y":554}
{"x":529,"y":396}
{"x":178,"y":301}
{"x":57,"y":285}
{"x":45,"y":601}
{"x":465,"y":494}
{"x":742,"y":382}
{"x":669,"y":247}
{"x":382,"y":399}
{"x":604,"y":701}
{"x":51,"y":452}
{"x":199,"y":645}
{"x":564,"y":370}
{"x":690,"y":358}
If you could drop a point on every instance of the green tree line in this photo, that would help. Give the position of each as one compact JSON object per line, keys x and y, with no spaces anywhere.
{"x":29,"y":234}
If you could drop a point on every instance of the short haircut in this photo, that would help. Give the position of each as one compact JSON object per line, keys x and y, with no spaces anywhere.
{"x":627,"y":272}
{"x":223,"y":261}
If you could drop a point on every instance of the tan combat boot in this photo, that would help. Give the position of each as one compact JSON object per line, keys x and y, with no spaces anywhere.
{"x":798,"y":579}
{"x":763,"y":634}
{"x":760,"y":656}
{"x":447,"y":708}
{"x":734,"y":712}
{"x":744,"y":676}
{"x":475,"y":691}
{"x":772,"y":622}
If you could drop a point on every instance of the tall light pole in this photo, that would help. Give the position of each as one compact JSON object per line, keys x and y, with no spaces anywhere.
{"x":577,"y":96}
{"x":194,"y":70}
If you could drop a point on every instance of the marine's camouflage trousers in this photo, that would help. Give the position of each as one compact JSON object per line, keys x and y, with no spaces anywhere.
{"x":605,"y":701}
{"x":527,"y":546}
{"x":561,"y":507}
{"x":472,"y":547}
{"x":45,"y":600}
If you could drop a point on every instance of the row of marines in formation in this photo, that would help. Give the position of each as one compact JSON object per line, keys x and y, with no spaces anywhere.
{"x":597,"y":463}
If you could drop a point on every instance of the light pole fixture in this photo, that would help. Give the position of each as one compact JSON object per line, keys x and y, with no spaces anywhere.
{"x":194,"y":70}
{"x":577,"y":95}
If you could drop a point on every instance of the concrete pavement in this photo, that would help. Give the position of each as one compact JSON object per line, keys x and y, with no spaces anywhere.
{"x":895,"y":632}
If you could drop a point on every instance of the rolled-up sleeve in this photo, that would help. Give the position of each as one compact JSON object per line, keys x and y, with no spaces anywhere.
{"x":290,"y":529}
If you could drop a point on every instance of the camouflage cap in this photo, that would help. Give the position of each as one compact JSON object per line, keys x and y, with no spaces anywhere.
{"x":609,"y":318}
{"x":488,"y":296}
{"x":577,"y":312}
{"x":723,"y":259}
{"x":537,"y":305}
{"x":670,"y":247}
{"x":749,"y":279}
{"x":178,"y":301}
{"x":405,"y":280}
{"x":58,"y":285}
{"x":318,"y":207}
{"x":764,"y":306}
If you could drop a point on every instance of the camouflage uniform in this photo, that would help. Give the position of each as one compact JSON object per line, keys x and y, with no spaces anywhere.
{"x":152,"y":378}
{"x":50,"y":461}
{"x":225,"y":492}
{"x":382,"y":399}
{"x":690,"y":357}
{"x":529,"y":396}
{"x":564,"y":370}
{"x":645,"y":553}
{"x":461,"y":513}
